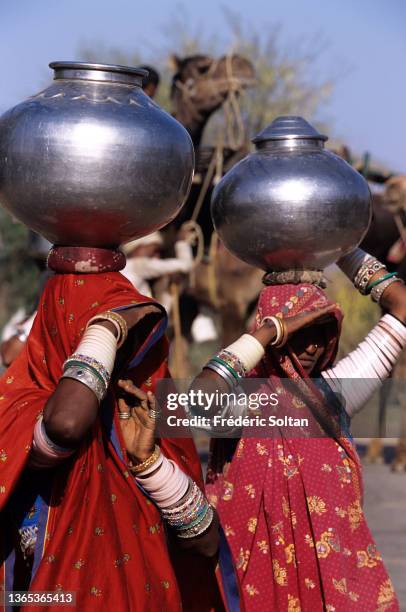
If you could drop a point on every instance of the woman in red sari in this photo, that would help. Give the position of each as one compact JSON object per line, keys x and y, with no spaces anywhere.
{"x":295,"y":536}
{"x":84,"y":525}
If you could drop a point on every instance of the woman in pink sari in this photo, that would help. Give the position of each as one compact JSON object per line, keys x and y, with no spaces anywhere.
{"x":295,"y":536}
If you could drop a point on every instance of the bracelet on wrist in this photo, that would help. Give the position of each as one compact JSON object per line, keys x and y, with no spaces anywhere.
{"x":379,"y":280}
{"x":281,"y":331}
{"x":147,"y":463}
{"x":117,"y":320}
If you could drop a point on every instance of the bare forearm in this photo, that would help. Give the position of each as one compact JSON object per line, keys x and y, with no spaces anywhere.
{"x":69,"y":413}
{"x":394,"y":301}
{"x":206,"y":544}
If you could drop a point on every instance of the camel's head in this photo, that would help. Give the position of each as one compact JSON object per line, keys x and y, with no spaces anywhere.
{"x":394,"y":198}
{"x":204,"y":82}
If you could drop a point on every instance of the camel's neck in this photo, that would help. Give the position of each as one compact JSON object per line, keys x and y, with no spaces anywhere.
{"x":192,"y":120}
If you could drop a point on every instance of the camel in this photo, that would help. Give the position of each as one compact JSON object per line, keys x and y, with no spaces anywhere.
{"x":201,"y":85}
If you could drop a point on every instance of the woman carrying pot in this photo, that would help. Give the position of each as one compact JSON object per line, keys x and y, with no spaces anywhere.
{"x":290,"y":506}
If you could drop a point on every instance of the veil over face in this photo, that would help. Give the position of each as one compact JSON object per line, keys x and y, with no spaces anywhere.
{"x":289,"y":300}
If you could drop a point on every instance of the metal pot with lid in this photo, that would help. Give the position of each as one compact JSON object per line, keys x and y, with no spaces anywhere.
{"x":91,"y":160}
{"x":291,"y":204}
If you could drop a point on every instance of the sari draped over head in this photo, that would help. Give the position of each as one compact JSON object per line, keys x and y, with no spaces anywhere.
{"x":98,"y":534}
{"x":291,"y":509}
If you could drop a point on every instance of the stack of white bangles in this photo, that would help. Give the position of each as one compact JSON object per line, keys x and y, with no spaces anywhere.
{"x":361,"y":373}
{"x":181,"y":502}
{"x":93,"y":361}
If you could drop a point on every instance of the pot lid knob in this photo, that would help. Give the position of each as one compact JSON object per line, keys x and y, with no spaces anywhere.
{"x":289,"y":127}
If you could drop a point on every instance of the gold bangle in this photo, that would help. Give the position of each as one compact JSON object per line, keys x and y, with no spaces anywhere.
{"x":114,"y":317}
{"x":284,"y":336}
{"x":277,"y":323}
{"x":153,"y":458}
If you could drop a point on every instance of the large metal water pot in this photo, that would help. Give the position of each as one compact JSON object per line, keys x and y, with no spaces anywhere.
{"x":92,"y":160}
{"x":291,"y":204}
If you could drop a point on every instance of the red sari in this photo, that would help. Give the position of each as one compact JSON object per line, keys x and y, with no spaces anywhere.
{"x":98,"y":534}
{"x":291,"y":509}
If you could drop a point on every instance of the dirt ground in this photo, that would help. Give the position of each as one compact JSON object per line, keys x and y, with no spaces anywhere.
{"x":385,"y":509}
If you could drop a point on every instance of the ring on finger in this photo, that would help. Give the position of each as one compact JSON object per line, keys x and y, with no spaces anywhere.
{"x":124,"y":416}
{"x":154,"y":414}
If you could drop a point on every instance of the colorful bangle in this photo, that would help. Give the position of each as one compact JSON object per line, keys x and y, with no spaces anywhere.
{"x":226,"y":365}
{"x":233,"y":361}
{"x":196,"y":519}
{"x":379,"y":289}
{"x":89,"y":363}
{"x":200,"y":528}
{"x":88,"y":377}
{"x":380,"y":280}
{"x":223,"y":372}
{"x":186,"y":516}
{"x":148,"y":462}
{"x":364,"y":274}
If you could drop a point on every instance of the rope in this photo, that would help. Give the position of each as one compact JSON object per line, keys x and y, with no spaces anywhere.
{"x":178,"y":353}
{"x":205,"y":187}
{"x":232,"y":111}
{"x":211,"y":271}
{"x":197,"y":240}
{"x":401,"y":227}
{"x":234,"y":130}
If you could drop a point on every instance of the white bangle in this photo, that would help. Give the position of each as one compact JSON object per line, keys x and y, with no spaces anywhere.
{"x":100,"y":344}
{"x":278,"y":328}
{"x":166,"y":485}
{"x":248,"y":350}
{"x":370,"y":363}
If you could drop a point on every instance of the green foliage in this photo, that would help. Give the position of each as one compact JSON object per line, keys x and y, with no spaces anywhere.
{"x":360,"y":313}
{"x":287,"y":80}
{"x":18,"y":273}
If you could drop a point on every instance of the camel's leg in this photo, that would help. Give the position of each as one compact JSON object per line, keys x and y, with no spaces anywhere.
{"x":179,"y":361}
{"x":399,"y":462}
{"x":376,"y":446}
{"x":375,"y":451}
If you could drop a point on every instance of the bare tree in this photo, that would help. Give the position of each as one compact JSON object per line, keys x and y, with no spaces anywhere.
{"x":288,"y":82}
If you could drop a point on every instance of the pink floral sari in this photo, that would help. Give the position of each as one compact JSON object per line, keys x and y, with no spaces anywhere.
{"x":291,"y":509}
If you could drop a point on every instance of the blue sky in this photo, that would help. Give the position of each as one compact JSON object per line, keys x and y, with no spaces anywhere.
{"x":366,"y":49}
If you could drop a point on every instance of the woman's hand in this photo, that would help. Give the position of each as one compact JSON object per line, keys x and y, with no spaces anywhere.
{"x":138,"y":430}
{"x":267,"y":332}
